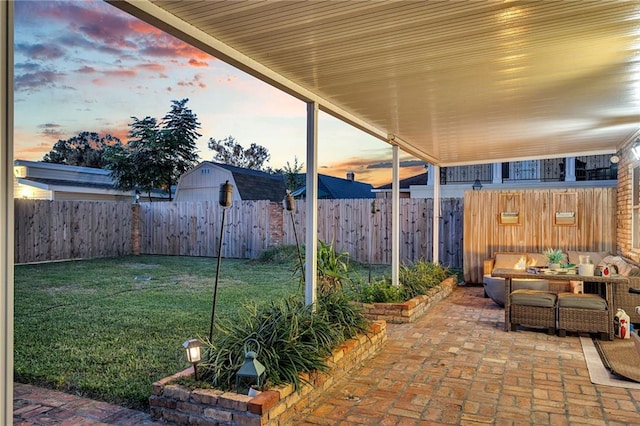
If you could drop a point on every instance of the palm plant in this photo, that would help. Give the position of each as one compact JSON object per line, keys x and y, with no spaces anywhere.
{"x":554,"y":256}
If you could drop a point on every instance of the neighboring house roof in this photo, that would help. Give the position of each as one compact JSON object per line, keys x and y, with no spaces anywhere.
{"x":330,"y":187}
{"x":69,"y":179}
{"x":256,"y":184}
{"x":420,"y":179}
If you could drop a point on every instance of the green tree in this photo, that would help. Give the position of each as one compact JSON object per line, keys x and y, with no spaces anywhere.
{"x":291,"y":175}
{"x":87,"y":149}
{"x":229,"y":151}
{"x":177,"y":143}
{"x":157,"y":154}
{"x":134,"y":166}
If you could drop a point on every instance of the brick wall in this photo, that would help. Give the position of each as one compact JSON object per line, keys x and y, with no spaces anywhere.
{"x":624,"y":202}
{"x":208,"y":407}
{"x":276,"y":216}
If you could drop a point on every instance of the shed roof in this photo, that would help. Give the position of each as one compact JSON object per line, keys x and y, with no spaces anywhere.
{"x":256,"y":184}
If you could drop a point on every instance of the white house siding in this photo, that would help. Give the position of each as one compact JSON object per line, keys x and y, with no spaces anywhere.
{"x":203,"y":182}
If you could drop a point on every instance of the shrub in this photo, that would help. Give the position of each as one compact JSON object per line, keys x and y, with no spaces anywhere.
{"x":333,"y":268}
{"x":292,"y":338}
{"x":380,"y":291}
{"x":281,"y":255}
{"x":418,"y":277}
{"x":337,"y":308}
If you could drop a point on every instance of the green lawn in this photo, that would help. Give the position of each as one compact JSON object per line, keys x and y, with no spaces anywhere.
{"x":91,"y":327}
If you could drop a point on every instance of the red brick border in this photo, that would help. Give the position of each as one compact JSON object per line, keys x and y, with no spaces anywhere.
{"x":410,"y":310}
{"x":180,"y":405}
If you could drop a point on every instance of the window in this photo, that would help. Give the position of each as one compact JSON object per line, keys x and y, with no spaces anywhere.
{"x":635,"y":206}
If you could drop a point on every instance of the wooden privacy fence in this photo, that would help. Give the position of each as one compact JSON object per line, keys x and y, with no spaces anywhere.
{"x":534,"y":220}
{"x":59,"y":230}
{"x":55,"y":230}
{"x":352,"y":227}
{"x":193,"y":228}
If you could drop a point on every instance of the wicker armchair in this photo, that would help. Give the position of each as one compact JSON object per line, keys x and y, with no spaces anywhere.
{"x":627,"y":301}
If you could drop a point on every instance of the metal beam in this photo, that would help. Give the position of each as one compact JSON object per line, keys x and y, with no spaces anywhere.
{"x":6,"y":212}
{"x":311,"y":237}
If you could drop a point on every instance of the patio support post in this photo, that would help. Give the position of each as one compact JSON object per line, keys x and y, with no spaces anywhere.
{"x":496,"y":173}
{"x":437,"y":212}
{"x":6,"y":212}
{"x":431,"y":174}
{"x":311,"y":237}
{"x":570,"y":169}
{"x":395,"y":218}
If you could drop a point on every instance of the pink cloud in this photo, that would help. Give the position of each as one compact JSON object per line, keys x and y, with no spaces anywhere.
{"x":51,"y":131}
{"x":31,"y":152}
{"x":366,"y":171}
{"x":197,"y":81}
{"x":35,"y":80}
{"x":40,"y":51}
{"x":152,"y":66}
{"x":99,"y":26}
{"x":120,"y":73}
{"x":195,"y":63}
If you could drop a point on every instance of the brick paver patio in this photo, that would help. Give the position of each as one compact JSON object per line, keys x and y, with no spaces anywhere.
{"x":456,"y":365}
{"x":38,"y":406}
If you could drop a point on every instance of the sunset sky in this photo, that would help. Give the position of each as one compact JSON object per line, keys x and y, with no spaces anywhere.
{"x":87,"y":66}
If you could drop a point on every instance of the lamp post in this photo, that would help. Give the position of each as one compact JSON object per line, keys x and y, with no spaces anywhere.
{"x":193,"y":348}
{"x":225,"y":199}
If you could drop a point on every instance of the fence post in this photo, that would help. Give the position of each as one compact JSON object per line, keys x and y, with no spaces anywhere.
{"x":135,"y":229}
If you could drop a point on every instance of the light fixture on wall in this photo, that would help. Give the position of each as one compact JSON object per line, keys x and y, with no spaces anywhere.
{"x":636,"y":149}
{"x":477,"y":186}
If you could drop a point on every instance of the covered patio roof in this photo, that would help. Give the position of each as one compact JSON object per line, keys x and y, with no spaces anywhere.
{"x":449,"y":82}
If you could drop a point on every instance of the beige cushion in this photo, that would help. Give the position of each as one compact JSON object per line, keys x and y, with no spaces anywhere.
{"x":623,"y":267}
{"x":508,"y":260}
{"x":582,"y":301}
{"x":533,"y":298}
{"x":594,"y":256}
{"x":537,"y":259}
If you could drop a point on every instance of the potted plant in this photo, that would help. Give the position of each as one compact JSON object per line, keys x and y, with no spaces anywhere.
{"x":554,"y":257}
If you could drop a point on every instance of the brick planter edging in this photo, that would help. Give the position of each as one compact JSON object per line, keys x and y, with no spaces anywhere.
{"x":209,"y":407}
{"x":412,"y":309}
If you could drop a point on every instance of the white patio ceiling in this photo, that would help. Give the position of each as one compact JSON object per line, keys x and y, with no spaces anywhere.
{"x":449,"y":82}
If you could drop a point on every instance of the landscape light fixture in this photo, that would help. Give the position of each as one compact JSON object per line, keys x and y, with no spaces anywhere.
{"x":251,"y":374}
{"x":225,"y":198}
{"x":636,"y":149}
{"x":477,"y":186}
{"x":194,"y":356}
